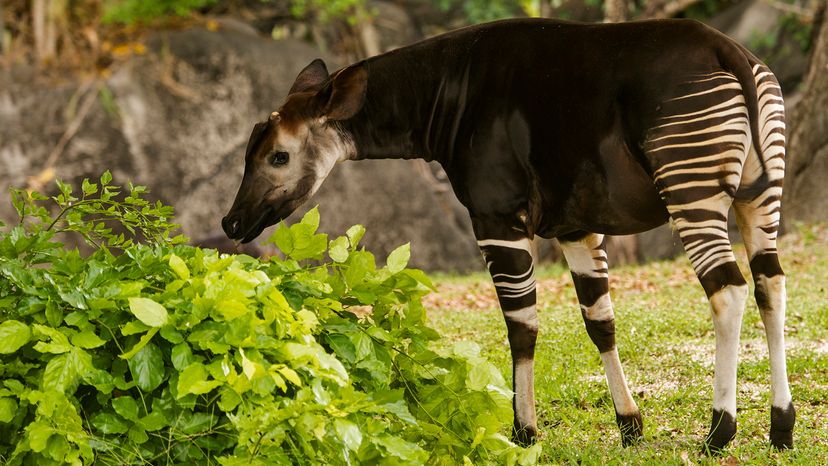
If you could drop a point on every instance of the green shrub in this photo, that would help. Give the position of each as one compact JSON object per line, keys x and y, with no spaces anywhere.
{"x":163,"y":353}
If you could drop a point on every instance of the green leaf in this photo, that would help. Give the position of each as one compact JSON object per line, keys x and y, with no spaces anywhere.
{"x":87,"y":339}
{"x":349,"y":433}
{"x":60,"y":373}
{"x":182,"y":356}
{"x":283,"y":239}
{"x":355,"y":234}
{"x":38,"y":433}
{"x":362,"y":344}
{"x":88,"y":188}
{"x":398,"y":259}
{"x":148,"y":311}
{"x":229,"y":399}
{"x":248,"y":367}
{"x":8,"y":409}
{"x":137,"y":435}
{"x":338,"y":249}
{"x":481,"y":375}
{"x":179,"y":267}
{"x":399,"y":447}
{"x":58,"y":344}
{"x":126,"y":407}
{"x":196,"y":422}
{"x":147,"y":367}
{"x":193,"y":380}
{"x":342,"y":346}
{"x":132,"y":327}
{"x":311,"y":219}
{"x":290,"y":375}
{"x":13,"y":335}
{"x":153,"y":421}
{"x":106,"y":178}
{"x":141,"y":343}
{"x":109,"y":423}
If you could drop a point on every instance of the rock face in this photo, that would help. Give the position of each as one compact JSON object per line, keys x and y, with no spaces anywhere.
{"x":177,"y":120}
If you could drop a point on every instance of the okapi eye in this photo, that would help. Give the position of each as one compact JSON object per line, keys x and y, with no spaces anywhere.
{"x":279,"y":158}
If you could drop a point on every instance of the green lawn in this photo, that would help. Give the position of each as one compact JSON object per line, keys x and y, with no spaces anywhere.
{"x":665,"y":339}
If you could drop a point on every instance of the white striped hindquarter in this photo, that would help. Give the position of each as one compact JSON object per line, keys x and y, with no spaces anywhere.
{"x":698,"y":149}
{"x":704,"y":159}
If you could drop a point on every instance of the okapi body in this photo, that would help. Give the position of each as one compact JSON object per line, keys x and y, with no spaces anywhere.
{"x":568,"y":131}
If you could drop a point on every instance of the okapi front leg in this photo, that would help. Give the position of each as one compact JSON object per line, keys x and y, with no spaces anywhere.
{"x":511,"y":264}
{"x":587,"y":260}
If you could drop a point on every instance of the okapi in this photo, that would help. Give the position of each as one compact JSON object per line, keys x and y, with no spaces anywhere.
{"x":568,"y":131}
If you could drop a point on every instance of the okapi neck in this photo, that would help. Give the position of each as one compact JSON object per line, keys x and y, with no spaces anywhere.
{"x":414,"y":105}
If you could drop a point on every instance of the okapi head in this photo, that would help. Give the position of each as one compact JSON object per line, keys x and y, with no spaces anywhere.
{"x":289,"y":155}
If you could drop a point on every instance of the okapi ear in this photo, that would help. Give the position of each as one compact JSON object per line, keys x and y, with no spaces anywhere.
{"x":312,"y":76}
{"x":255,"y":137}
{"x":347,"y":93}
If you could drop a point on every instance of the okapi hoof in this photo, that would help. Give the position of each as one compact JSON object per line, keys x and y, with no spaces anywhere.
{"x":722,"y":431}
{"x":524,"y":436}
{"x":782,"y":425}
{"x":631,"y":426}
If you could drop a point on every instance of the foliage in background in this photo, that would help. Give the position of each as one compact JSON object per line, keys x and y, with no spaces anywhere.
{"x":166,"y":353}
{"x":479,"y":11}
{"x":130,"y":11}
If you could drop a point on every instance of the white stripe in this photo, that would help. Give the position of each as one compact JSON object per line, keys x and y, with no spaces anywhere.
{"x":523,"y":243}
{"x":731,"y":85}
{"x":728,"y":103}
{"x":737,"y":113}
{"x":707,"y":142}
{"x":527,"y":315}
{"x":601,"y":310}
{"x":515,"y":277}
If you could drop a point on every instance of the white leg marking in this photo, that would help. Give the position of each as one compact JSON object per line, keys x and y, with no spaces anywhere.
{"x":601,"y":310}
{"x":585,"y":257}
{"x":525,"y":392}
{"x":527,"y":316}
{"x":728,"y":306}
{"x":524,"y":376}
{"x":624,"y":403}
{"x":774,"y":320}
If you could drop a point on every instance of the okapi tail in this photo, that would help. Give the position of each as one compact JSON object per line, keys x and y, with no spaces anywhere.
{"x":737,"y":60}
{"x":766,"y":114}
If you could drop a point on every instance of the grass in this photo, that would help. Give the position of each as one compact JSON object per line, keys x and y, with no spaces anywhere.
{"x":666,"y":343}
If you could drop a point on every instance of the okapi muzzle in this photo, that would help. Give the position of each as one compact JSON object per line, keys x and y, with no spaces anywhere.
{"x":290,"y":155}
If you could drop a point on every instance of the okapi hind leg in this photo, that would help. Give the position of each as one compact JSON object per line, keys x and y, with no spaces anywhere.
{"x":587,"y":259}
{"x":758,"y":219}
{"x":511,"y":265}
{"x":758,"y":222}
{"x":698,"y":150}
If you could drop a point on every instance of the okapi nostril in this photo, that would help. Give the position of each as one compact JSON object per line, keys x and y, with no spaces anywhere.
{"x":230,"y":225}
